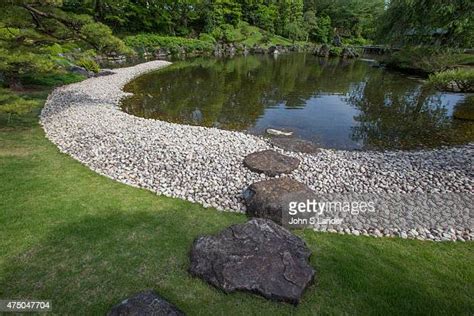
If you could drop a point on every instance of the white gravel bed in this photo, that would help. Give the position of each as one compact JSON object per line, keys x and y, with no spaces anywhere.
{"x":204,"y":165}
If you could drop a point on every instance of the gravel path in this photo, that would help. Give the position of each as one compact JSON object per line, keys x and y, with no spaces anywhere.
{"x":204,"y":165}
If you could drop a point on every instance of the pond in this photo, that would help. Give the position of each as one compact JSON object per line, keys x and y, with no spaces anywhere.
{"x":342,"y":104}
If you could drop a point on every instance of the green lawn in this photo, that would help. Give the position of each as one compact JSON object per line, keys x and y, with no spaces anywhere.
{"x":85,"y":242}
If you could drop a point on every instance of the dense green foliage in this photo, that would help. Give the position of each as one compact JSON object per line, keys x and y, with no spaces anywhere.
{"x":37,"y":35}
{"x":151,"y":42}
{"x":86,"y":242}
{"x":12,"y":103}
{"x":454,"y":79}
{"x":52,"y":79}
{"x":88,"y":64}
{"x":426,"y":59}
{"x":295,"y":19}
{"x":427,"y":31}
{"x":350,"y":18}
{"x":428,"y":22}
{"x":41,"y":39}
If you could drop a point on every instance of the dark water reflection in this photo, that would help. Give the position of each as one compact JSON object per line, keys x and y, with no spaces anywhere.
{"x":334,"y":103}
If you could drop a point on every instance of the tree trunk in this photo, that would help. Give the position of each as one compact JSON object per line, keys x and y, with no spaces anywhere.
{"x":424,"y":93}
{"x":98,"y":11}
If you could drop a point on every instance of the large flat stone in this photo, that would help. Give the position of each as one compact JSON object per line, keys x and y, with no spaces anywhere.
{"x":270,"y":163}
{"x":145,"y":303}
{"x":270,"y":198}
{"x":258,"y":256}
{"x":295,"y":144}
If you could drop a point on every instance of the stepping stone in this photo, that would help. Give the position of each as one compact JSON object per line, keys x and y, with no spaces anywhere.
{"x":270,"y":163}
{"x":258,"y":256}
{"x":295,"y":144}
{"x":145,"y":303}
{"x":270,"y":198}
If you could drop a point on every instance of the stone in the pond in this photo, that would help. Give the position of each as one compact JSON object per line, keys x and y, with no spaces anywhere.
{"x":145,"y":303}
{"x":258,"y":256}
{"x":270,"y":163}
{"x":104,"y":72}
{"x":269,"y":198}
{"x":277,"y":132}
{"x":295,"y":144}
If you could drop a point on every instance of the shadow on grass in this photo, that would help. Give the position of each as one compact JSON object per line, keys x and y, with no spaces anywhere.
{"x":87,"y":266}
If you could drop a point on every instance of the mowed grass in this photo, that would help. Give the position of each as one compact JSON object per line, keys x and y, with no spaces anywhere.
{"x":86,"y":242}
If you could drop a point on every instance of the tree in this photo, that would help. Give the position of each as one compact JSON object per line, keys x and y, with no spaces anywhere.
{"x":112,"y":12}
{"x":220,"y":12}
{"x":350,"y":18}
{"x":294,"y":31}
{"x":21,"y":54}
{"x":14,"y":63}
{"x":290,"y":21}
{"x":264,"y":16}
{"x":318,"y":28}
{"x":434,"y":22}
{"x":29,"y":27}
{"x":13,"y":104}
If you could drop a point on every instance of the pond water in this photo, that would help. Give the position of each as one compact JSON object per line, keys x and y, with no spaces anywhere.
{"x":343,"y":104}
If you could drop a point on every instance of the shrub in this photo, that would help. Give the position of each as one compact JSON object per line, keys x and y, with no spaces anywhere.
{"x":11,"y":103}
{"x":89,"y":64}
{"x":205,"y":37}
{"x":152,"y":42}
{"x":357,"y":41}
{"x":294,"y":31}
{"x":103,"y":39}
{"x":52,"y":79}
{"x":423,"y":59}
{"x":16,"y":63}
{"x":245,"y":29}
{"x":335,"y":51}
{"x":454,"y":79}
{"x":231,"y":34}
{"x":217,"y":33}
{"x":266,"y":38}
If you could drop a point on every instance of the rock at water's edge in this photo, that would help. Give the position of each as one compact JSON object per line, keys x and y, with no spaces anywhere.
{"x":277,"y":132}
{"x":295,"y":144}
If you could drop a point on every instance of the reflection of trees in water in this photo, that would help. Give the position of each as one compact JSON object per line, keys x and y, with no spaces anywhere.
{"x":396,"y":114}
{"x":235,"y":92}
{"x":464,"y":110}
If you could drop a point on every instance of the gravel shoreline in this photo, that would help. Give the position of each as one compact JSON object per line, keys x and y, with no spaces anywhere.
{"x":204,"y":165}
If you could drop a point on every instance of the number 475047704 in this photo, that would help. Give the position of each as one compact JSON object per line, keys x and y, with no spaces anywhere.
{"x":25,"y":305}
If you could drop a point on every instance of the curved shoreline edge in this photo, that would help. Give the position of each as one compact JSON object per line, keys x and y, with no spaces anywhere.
{"x":204,"y":165}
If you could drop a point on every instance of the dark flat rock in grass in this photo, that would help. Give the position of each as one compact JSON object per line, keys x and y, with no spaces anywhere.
{"x":270,"y":163}
{"x":258,"y":256}
{"x":295,"y":144}
{"x":145,"y":303}
{"x":269,"y":198}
